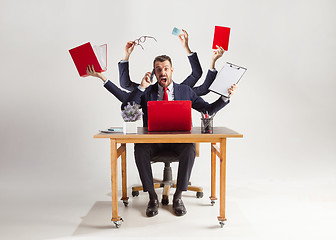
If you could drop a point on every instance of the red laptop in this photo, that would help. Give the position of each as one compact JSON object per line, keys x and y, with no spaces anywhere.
{"x":169,"y":116}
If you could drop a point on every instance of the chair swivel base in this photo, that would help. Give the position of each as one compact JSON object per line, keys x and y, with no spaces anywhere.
{"x":166,"y":189}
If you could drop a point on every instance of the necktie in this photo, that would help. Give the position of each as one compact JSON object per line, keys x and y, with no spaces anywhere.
{"x":165,"y":94}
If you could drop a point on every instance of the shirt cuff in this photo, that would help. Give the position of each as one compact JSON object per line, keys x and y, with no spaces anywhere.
{"x":141,"y":89}
{"x":225,"y":99}
{"x":213,"y":69}
{"x":105,"y":82}
{"x":191,"y":54}
{"x":123,"y":61}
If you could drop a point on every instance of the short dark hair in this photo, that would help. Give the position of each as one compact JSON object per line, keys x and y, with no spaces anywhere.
{"x":162,"y":58}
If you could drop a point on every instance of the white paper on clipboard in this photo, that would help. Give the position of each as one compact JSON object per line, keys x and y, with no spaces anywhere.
{"x":230,"y":74}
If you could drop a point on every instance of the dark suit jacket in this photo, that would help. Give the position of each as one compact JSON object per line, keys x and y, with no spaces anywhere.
{"x":181,"y":92}
{"x":116,"y":91}
{"x":126,"y":83}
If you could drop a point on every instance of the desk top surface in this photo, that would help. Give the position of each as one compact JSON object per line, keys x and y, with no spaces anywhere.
{"x":195,"y":135}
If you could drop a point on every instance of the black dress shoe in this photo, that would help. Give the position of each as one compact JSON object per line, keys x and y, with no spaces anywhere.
{"x":152,"y":208}
{"x":179,"y":207}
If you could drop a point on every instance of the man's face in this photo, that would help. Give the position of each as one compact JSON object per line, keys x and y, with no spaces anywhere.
{"x":163,"y":73}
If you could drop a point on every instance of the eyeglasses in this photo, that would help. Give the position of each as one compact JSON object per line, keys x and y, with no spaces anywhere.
{"x":142,"y":39}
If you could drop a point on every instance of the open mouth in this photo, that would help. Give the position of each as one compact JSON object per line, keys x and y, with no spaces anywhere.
{"x":163,"y":79}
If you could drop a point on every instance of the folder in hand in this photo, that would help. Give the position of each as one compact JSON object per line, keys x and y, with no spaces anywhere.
{"x":221,"y":37}
{"x":87,"y":54}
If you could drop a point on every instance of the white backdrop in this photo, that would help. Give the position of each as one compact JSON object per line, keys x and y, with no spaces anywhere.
{"x":284,"y":105}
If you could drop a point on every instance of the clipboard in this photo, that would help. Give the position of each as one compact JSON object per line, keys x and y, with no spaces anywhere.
{"x":229,"y":74}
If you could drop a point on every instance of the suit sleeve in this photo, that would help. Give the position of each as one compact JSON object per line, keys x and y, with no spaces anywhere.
{"x":204,"y":88}
{"x":196,"y":71}
{"x":124,"y":77}
{"x":202,"y":106}
{"x":134,"y":97}
{"x":116,"y":91}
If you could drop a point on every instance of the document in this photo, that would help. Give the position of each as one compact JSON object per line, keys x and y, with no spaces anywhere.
{"x":230,"y":74}
{"x":87,"y":54}
{"x":112,"y":130}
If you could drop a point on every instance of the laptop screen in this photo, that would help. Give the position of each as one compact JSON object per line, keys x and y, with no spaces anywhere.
{"x":169,"y":115}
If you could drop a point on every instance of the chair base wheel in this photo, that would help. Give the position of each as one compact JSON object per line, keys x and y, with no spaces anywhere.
{"x":135,"y":193}
{"x":199,"y":194}
{"x":118,"y":223}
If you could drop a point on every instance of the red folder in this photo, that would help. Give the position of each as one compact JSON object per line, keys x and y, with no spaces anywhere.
{"x":87,"y":54}
{"x":221,"y":37}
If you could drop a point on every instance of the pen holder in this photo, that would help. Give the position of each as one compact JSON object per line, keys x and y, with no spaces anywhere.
{"x":206,"y":125}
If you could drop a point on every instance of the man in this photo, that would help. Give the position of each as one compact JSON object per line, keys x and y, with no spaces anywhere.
{"x":165,"y":88}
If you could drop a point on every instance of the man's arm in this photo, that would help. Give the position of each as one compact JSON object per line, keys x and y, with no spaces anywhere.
{"x":116,"y":91}
{"x":123,"y":65}
{"x":196,"y":69}
{"x":136,"y":94}
{"x":211,"y":75}
{"x":111,"y":87}
{"x":202,"y":106}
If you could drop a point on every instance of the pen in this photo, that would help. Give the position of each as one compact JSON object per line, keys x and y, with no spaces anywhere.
{"x":115,"y":129}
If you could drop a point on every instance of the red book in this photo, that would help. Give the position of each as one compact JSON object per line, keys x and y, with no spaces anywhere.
{"x":221,"y":37}
{"x":87,"y":54}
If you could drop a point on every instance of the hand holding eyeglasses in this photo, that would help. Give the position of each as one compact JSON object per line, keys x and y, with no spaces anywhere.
{"x":131,"y":44}
{"x":128,"y":50}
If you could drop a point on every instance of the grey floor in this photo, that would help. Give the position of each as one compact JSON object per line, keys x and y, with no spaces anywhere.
{"x":263,"y":209}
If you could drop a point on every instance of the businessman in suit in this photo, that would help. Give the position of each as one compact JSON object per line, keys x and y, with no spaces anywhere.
{"x":166,"y":89}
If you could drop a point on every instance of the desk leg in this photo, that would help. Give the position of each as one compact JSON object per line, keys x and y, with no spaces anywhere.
{"x":213,"y":175}
{"x":114,"y":183}
{"x":124,"y":176}
{"x":222,"y":187}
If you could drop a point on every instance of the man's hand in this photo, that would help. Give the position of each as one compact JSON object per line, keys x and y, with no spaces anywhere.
{"x":232,"y":89}
{"x":184,"y":37}
{"x":217,"y":53}
{"x":145,"y":82}
{"x":128,"y":50}
{"x":91,"y":72}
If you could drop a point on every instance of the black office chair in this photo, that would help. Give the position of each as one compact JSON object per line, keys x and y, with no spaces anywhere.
{"x":167,"y":182}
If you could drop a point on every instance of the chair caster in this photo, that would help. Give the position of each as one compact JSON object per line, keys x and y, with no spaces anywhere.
{"x":135,"y":193}
{"x":199,"y":194}
{"x":221,"y":223}
{"x":125,"y":203}
{"x":213,"y":202}
{"x":118,"y":223}
{"x":164,"y":201}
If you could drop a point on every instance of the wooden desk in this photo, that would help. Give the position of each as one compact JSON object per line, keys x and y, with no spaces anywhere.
{"x":220,"y":134}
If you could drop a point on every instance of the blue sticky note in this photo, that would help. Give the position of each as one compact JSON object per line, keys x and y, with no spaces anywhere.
{"x":176,"y":31}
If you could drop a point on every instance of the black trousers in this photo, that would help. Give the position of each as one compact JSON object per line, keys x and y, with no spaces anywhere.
{"x":144,"y":151}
